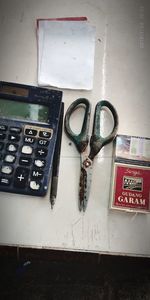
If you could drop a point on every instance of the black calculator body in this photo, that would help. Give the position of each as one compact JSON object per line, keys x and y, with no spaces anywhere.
{"x":29,"y":120}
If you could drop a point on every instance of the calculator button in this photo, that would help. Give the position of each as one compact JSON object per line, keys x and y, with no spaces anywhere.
{"x":1,"y":146}
{"x":37,"y":174}
{"x":41,"y":152}
{"x":5,"y":181}
{"x":34,"y":185}
{"x":10,"y":158}
{"x":13,"y":138}
{"x":21,"y":177}
{"x":29,"y":140}
{"x":27,"y":150}
{"x":45,"y":134}
{"x":2,"y":136}
{"x":25,"y":161}
{"x":3,"y":127}
{"x":32,"y":132}
{"x":15,"y":129}
{"x":12,"y":147}
{"x":7,"y":170}
{"x":39,"y":163}
{"x":42,"y":142}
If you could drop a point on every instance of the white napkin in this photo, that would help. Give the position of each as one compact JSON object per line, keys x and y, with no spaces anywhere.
{"x":66,"y":54}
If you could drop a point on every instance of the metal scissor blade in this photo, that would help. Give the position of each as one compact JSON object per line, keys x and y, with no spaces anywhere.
{"x":85,"y":184}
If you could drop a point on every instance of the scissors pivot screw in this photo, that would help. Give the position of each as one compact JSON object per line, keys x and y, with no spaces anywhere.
{"x":87,"y":163}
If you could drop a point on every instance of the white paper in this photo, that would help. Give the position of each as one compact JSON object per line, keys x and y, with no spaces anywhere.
{"x":66,"y":54}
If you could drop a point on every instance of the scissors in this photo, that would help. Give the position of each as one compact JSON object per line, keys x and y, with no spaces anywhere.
{"x":81,"y":140}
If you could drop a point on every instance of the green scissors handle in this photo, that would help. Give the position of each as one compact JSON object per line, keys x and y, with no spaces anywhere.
{"x":97,"y":141}
{"x":80,"y":140}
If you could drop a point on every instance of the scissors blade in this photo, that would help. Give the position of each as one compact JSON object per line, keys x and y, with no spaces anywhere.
{"x":85,"y":183}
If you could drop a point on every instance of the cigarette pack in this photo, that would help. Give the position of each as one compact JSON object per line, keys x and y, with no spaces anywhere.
{"x":130,"y":189}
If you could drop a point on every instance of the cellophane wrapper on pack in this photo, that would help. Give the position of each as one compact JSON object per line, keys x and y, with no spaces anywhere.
{"x":130,"y":189}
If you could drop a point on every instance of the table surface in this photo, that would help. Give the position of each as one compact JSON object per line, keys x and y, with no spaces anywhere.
{"x":121,"y":75}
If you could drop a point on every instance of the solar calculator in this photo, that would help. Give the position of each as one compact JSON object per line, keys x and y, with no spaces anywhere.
{"x":29,"y":120}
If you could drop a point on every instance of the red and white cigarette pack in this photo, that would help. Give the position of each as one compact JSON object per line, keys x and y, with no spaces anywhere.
{"x":130,"y":189}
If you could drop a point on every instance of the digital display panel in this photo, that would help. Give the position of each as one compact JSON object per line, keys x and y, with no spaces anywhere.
{"x":23,"y":111}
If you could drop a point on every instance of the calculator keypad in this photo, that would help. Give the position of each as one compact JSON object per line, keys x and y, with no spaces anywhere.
{"x":21,"y":177}
{"x":6,"y":169}
{"x":9,"y":158}
{"x":11,"y":147}
{"x":23,"y":157}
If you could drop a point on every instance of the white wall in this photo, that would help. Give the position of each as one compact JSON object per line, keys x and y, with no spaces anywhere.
{"x":122,"y":72}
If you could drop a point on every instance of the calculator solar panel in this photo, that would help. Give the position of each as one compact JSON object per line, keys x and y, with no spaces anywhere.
{"x":29,"y":119}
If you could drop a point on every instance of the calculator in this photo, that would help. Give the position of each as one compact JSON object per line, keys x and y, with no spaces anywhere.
{"x":29,"y":120}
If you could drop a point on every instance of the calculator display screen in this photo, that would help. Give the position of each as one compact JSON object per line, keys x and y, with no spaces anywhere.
{"x":23,"y":110}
